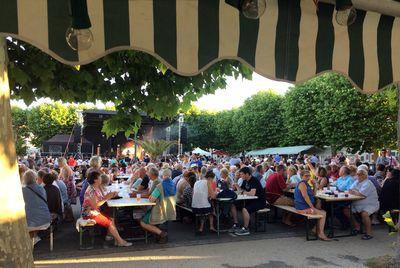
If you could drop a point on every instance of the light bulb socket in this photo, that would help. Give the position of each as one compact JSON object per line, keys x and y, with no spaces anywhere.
{"x":343,"y":4}
{"x":80,"y":15}
{"x":235,"y":3}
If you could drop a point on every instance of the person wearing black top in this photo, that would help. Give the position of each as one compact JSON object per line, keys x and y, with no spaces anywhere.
{"x":251,"y":187}
{"x":54,"y":202}
{"x":389,"y":195}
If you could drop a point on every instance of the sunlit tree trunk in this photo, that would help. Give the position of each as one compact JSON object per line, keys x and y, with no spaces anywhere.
{"x":15,"y":244}
{"x":397,"y":257}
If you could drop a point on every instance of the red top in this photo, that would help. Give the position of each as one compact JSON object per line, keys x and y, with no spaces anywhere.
{"x":71,"y":162}
{"x":275,"y":186}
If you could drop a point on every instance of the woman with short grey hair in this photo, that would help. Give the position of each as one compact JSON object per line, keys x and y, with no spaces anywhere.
{"x":36,"y":209}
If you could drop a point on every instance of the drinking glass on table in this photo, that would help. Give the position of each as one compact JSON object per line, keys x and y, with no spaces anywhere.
{"x":138,"y":197}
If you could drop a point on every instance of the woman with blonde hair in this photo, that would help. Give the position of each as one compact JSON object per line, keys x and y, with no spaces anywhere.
{"x":67,"y":176}
{"x":293,"y":178}
{"x":304,"y":203}
{"x":225,"y":178}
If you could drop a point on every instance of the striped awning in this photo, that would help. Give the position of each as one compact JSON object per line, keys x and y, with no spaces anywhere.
{"x":292,"y":41}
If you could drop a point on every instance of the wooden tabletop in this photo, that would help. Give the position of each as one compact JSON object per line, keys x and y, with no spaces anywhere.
{"x":239,"y":197}
{"x":332,"y":198}
{"x":129,"y":202}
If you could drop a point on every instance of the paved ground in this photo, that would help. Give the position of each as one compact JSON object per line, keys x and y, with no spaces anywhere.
{"x":247,"y":252}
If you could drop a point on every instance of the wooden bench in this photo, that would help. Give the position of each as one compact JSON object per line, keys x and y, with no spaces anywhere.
{"x":307,"y":216}
{"x":259,"y":218}
{"x":90,"y":229}
{"x":187,"y":209}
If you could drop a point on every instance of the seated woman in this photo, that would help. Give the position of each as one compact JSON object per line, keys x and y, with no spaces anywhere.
{"x":202,"y":193}
{"x":164,"y":210}
{"x":365,"y":207}
{"x":93,"y":199}
{"x":36,"y":209}
{"x":225,"y":179}
{"x":54,"y":201}
{"x":322,"y":178}
{"x":304,"y":203}
{"x":105,"y":181}
{"x":293,"y":178}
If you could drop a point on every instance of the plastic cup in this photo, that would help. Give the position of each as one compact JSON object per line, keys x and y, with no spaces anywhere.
{"x":138,"y":197}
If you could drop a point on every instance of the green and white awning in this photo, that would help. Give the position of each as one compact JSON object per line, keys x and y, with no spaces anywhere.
{"x":292,"y":41}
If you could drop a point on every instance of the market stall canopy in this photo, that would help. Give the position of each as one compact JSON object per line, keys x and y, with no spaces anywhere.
{"x":201,"y":152}
{"x":291,"y":41}
{"x":292,"y":150}
{"x":220,"y":153}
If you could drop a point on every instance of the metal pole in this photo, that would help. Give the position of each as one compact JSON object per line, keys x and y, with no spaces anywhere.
{"x":134,"y":157}
{"x":180,"y":121}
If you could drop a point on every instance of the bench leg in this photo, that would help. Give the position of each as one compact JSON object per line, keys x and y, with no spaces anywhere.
{"x":51,"y":238}
{"x":80,"y":238}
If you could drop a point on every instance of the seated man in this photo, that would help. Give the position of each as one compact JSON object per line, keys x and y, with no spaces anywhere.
{"x":365,"y":207}
{"x":275,"y":188}
{"x":154,"y":181}
{"x":252,"y":187}
{"x":139,"y":180}
{"x":164,"y":196}
{"x":342,"y":209}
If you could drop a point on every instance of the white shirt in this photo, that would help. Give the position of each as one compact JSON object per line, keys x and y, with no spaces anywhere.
{"x":200,"y":195}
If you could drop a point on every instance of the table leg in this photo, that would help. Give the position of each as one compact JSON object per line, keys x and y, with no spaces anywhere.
{"x":217,"y":217}
{"x":351,"y":222}
{"x":331,"y":232}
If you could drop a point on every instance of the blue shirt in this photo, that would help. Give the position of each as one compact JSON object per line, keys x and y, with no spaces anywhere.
{"x":344,"y":183}
{"x":299,"y":201}
{"x":85,"y":185}
{"x":199,"y":163}
{"x":63,"y":191}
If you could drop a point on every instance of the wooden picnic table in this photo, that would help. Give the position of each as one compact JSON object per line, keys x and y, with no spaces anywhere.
{"x":240,"y":197}
{"x":331,"y":199}
{"x":129,"y":202}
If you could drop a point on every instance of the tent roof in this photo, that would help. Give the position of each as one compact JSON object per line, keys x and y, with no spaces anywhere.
{"x":220,"y":152}
{"x":281,"y":150}
{"x":292,"y":41}
{"x":201,"y":152}
{"x":63,"y":138}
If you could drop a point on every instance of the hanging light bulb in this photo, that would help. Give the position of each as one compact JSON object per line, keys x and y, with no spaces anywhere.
{"x":79,"y":39}
{"x":79,"y":36}
{"x":251,"y":9}
{"x":346,"y":14}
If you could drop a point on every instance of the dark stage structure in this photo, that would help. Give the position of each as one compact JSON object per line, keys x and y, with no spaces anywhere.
{"x":93,"y":124}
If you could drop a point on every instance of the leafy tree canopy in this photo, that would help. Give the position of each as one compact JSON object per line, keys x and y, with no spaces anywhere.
{"x":132,"y":80}
{"x":326,"y":110}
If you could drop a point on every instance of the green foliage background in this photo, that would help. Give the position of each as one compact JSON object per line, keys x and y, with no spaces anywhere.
{"x":326,"y":110}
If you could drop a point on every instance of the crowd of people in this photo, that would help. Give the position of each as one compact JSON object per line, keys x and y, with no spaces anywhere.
{"x":51,"y":186}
